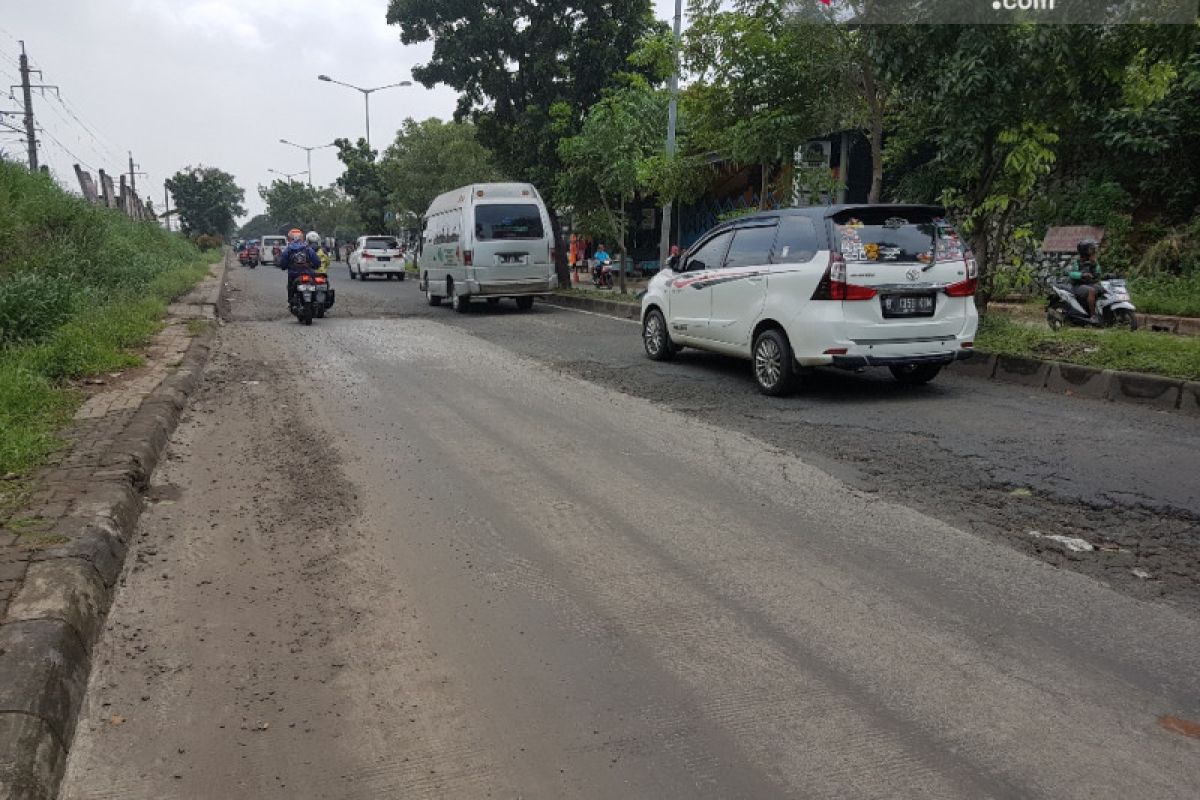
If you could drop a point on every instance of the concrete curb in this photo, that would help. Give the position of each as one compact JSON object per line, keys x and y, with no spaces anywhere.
{"x":1167,"y":394}
{"x":53,"y":622}
{"x":1133,"y":388}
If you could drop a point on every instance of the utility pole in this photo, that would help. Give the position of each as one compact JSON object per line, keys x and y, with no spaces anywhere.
{"x":27,"y":95}
{"x":166,"y":206}
{"x":664,"y":244}
{"x":132,"y":167}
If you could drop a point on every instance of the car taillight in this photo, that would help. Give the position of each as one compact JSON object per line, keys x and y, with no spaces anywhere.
{"x":367,"y":255}
{"x":962,"y":288}
{"x":468,"y":258}
{"x":833,"y":284}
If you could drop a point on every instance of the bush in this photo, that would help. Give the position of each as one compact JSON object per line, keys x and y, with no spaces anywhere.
{"x":208,"y":242}
{"x":1177,"y":253}
{"x":80,"y":286}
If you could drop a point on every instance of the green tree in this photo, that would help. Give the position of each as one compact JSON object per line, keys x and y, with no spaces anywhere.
{"x":617,"y":155}
{"x":763,"y":83}
{"x":363,"y":183}
{"x":289,"y":203}
{"x":526,"y":73}
{"x":208,"y":200}
{"x":431,"y":157}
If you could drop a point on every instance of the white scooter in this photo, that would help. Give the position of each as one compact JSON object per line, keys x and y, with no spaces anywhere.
{"x":1112,"y":306}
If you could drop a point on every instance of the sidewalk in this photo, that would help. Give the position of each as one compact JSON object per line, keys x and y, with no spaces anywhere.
{"x":61,"y":554}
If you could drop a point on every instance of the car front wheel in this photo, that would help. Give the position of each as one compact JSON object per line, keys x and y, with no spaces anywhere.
{"x":655,"y":337}
{"x":774,"y":368}
{"x":915,"y":374}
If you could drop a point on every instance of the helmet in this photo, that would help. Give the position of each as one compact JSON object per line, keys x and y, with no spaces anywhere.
{"x":313,"y":238}
{"x":295,"y":235}
{"x":1087,"y":248}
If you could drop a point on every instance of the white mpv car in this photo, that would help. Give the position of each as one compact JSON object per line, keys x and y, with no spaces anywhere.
{"x":846,"y":286}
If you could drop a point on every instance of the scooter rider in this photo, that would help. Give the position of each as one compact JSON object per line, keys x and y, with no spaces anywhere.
{"x":1085,"y":278}
{"x":314,"y":242}
{"x":297,"y":258}
{"x":600,"y":259}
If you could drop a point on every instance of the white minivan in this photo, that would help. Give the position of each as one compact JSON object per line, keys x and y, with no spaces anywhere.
{"x":487,"y":241}
{"x":846,"y":286}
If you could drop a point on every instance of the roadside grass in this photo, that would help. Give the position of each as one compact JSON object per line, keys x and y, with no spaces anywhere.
{"x":1177,"y":297}
{"x":602,"y":294}
{"x":1141,"y":351}
{"x":81,"y":287}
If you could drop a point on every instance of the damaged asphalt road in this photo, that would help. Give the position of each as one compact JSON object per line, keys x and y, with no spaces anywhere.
{"x":409,"y":553}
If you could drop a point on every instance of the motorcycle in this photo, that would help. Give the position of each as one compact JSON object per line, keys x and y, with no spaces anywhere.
{"x":602,"y":275}
{"x":248,"y":257}
{"x":310,"y":297}
{"x":1113,"y":306}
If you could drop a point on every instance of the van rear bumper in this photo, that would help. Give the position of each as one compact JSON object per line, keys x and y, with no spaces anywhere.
{"x":519,"y":288}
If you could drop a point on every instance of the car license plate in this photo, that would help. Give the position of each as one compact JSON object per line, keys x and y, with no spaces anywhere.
{"x":907,"y":305}
{"x":512,"y":259}
{"x":383,"y":258}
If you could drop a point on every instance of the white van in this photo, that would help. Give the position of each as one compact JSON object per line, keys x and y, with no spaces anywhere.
{"x":488,"y":240}
{"x":266,"y":251}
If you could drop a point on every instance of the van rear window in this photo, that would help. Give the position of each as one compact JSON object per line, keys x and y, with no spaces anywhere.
{"x":899,"y":235}
{"x":508,"y":221}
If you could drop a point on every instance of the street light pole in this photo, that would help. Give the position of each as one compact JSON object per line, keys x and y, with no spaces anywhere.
{"x":288,"y":175}
{"x":664,"y":244}
{"x":366,"y":93}
{"x":308,"y":153}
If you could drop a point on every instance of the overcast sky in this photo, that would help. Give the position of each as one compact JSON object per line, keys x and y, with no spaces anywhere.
{"x":183,"y":82}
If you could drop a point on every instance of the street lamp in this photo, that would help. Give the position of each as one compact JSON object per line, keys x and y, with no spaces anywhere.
{"x":288,"y":175}
{"x":366,"y":93}
{"x":308,"y":152}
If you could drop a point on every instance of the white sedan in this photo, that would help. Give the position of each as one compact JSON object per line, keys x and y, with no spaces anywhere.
{"x":376,"y":255}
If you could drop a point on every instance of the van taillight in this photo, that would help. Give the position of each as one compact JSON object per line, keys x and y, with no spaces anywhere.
{"x":468,"y":258}
{"x":833,"y":284}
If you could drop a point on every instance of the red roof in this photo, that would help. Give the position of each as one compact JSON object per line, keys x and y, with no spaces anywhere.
{"x":1065,"y":239}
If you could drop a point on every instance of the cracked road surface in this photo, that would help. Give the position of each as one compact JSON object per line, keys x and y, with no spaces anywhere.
{"x":406,"y":553}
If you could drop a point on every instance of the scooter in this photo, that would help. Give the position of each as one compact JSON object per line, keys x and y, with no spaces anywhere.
{"x":1113,"y":307}
{"x":602,"y":275}
{"x":310,"y":296}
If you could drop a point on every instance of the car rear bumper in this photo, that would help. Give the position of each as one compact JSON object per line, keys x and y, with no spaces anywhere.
{"x":855,"y":362}
{"x":377,"y":267}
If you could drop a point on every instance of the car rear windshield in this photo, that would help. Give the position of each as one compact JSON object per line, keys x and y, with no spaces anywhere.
{"x":381,"y":244}
{"x":896,"y":234}
{"x":508,"y":221}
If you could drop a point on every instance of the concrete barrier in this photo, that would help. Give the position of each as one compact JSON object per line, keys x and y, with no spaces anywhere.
{"x":1079,"y":381}
{"x":1022,"y":371}
{"x":1144,"y":390}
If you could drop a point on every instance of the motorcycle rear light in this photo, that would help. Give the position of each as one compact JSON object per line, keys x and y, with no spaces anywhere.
{"x":962,"y":288}
{"x":322,"y":279}
{"x":304,"y":279}
{"x":833,"y":285}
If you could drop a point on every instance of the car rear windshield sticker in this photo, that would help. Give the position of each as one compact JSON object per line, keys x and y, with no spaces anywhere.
{"x":903,"y":242}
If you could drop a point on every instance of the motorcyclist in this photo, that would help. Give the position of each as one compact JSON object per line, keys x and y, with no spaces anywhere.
{"x":314,"y":241}
{"x":1085,"y":278}
{"x":600,"y":258}
{"x":297,"y":258}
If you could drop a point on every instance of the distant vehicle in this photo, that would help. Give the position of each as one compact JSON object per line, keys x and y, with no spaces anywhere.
{"x":847,"y":286}
{"x":249,"y":255}
{"x":1112,"y":306}
{"x":488,"y":241}
{"x":376,"y":255}
{"x":271,"y":246}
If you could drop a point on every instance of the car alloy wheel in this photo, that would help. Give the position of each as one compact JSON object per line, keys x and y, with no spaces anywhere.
{"x":773,"y":369}
{"x":655,"y":338}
